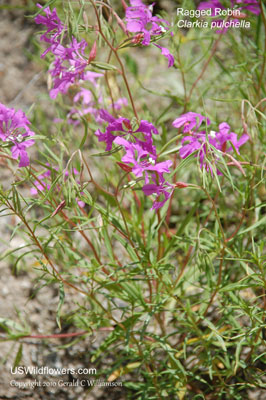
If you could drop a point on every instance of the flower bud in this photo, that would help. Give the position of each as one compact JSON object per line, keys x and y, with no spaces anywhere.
{"x":92,"y":54}
{"x":181,"y":185}
{"x":125,"y":167}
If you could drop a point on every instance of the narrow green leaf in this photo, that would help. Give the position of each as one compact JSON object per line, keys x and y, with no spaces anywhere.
{"x":18,"y":356}
{"x":254,"y":226}
{"x":107,"y":153}
{"x":104,"y":66}
{"x":61,"y":302}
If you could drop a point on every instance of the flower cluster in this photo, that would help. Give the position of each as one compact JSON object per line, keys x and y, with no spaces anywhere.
{"x":124,"y":126}
{"x":70,"y":62}
{"x":140,"y":154}
{"x":55,"y":28}
{"x":200,"y":141}
{"x":69,"y":69}
{"x":14,"y":129}
{"x":139,"y":19}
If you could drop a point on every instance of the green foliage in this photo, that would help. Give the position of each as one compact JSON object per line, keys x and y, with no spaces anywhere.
{"x":183,"y":290}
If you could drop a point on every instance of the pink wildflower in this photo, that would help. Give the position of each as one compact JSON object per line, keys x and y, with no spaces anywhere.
{"x":190,"y":120}
{"x":54,"y":26}
{"x":199,"y":141}
{"x":166,"y":53}
{"x":123,"y":125}
{"x":14,"y":128}
{"x":139,"y":18}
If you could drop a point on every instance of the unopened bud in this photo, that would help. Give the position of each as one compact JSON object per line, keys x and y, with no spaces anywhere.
{"x":181,"y":185}
{"x":85,"y":19}
{"x":137,"y":39}
{"x":92,"y":54}
{"x":59,"y":208}
{"x":126,"y":125}
{"x":125,"y":167}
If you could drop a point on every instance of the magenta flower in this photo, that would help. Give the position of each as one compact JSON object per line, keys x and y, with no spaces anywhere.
{"x":88,"y":103}
{"x":123,"y":126}
{"x":70,"y":62}
{"x":190,"y":121}
{"x":140,"y":156}
{"x":250,"y":5}
{"x":92,"y":77}
{"x":143,"y":161}
{"x":139,"y":19}
{"x":166,"y":53}
{"x":143,"y":165}
{"x":41,"y":185}
{"x":19,"y":152}
{"x":197,"y":142}
{"x":121,"y":102}
{"x":84,"y":95}
{"x":224,"y":135}
{"x":163,"y":192}
{"x":54,"y":26}
{"x":14,"y":128}
{"x":192,"y":143}
{"x":200,"y":142}
{"x":68,"y":67}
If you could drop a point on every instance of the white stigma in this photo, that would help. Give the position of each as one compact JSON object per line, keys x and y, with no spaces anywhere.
{"x":130,"y":184}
